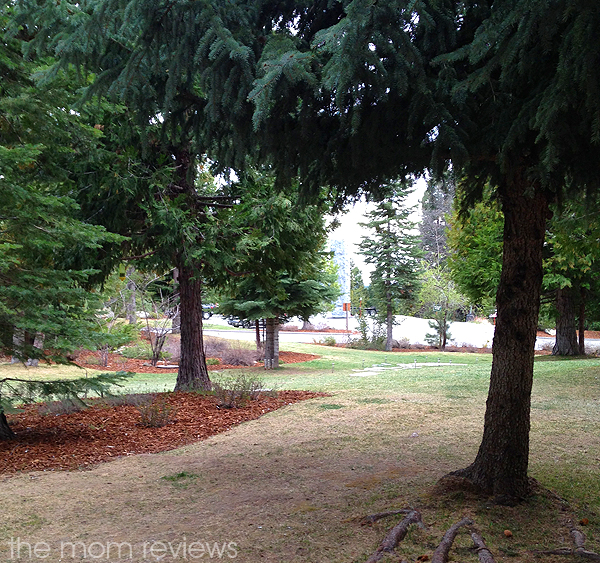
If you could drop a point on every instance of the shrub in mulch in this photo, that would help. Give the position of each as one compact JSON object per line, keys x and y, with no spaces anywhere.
{"x":237,"y":356}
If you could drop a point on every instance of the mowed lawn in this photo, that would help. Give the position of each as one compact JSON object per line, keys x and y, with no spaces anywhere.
{"x":293,"y":485}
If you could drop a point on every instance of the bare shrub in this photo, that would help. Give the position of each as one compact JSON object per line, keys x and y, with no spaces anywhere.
{"x":403,"y":343}
{"x":131,"y":399}
{"x":291,"y":328}
{"x":156,"y":411}
{"x":64,"y":406}
{"x":214,"y":347}
{"x":237,"y":391}
{"x":238,"y":356}
{"x":548,"y":346}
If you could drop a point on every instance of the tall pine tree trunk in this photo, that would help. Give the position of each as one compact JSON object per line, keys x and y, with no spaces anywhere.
{"x":5,"y":431}
{"x":500,"y":467}
{"x":566,"y":330}
{"x":582,"y":295}
{"x":272,"y":344}
{"x":130,"y":305}
{"x":193,"y":373}
{"x":389,"y":320}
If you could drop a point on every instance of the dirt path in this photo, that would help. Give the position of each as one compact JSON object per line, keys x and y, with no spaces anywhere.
{"x":282,"y":488}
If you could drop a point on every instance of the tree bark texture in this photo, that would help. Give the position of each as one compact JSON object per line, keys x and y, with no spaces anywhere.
{"x":5,"y":431}
{"x":389,"y":322}
{"x":193,"y":373}
{"x":259,"y":344}
{"x":440,"y":555}
{"x":500,"y":467}
{"x":272,"y":344}
{"x":395,"y":536}
{"x":582,"y":296}
{"x":566,"y":330}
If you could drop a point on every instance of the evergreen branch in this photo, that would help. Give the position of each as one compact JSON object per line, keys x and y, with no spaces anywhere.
{"x":139,"y":257}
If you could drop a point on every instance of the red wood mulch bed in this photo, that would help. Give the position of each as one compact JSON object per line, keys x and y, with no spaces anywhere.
{"x":116,"y":362}
{"x":51,"y":442}
{"x":100,"y":433}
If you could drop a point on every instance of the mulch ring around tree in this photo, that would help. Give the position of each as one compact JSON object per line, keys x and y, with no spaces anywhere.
{"x":116,"y":362}
{"x":49,"y":442}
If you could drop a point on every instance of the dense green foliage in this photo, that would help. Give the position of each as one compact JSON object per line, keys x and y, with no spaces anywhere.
{"x":392,"y":247}
{"x":475,"y":239}
{"x":281,"y":269}
{"x":46,"y":244}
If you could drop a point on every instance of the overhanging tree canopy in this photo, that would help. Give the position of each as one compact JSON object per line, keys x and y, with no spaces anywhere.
{"x":353,"y":93}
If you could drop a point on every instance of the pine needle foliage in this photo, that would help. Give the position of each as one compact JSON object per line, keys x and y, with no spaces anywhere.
{"x":16,"y":392}
{"x":46,"y":244}
{"x":392,"y":247}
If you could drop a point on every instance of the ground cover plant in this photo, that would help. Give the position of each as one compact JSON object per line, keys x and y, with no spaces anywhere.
{"x":295,"y":484}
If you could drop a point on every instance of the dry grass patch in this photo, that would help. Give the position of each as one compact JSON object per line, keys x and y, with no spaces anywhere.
{"x":294,"y":485}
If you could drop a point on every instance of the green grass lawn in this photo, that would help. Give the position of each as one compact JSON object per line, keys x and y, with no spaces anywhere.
{"x":565,"y":448}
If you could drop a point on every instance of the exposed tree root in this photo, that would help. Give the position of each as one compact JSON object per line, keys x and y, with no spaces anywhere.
{"x":578,"y":551}
{"x":398,"y":532}
{"x":395,"y":536}
{"x":440,"y":555}
{"x":484,"y":554}
{"x":372,"y":518}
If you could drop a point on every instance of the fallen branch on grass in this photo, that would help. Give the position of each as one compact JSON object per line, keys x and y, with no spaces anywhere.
{"x":578,"y":551}
{"x":395,"y":536}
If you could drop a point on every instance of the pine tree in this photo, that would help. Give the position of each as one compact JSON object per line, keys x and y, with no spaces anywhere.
{"x":356,"y":93}
{"x":392,"y":248}
{"x":281,"y":268}
{"x":436,"y":207}
{"x":45,"y":244}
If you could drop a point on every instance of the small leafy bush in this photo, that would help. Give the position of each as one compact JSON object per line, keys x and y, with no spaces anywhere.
{"x":212,"y":361}
{"x":156,"y":411}
{"x":93,"y":361}
{"x":237,"y":391}
{"x":328,"y":341}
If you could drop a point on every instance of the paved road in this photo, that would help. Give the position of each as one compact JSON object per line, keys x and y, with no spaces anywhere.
{"x":284,"y":335}
{"x":341,"y":337}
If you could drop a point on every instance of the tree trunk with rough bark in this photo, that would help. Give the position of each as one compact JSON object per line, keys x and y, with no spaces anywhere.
{"x":130,"y":305}
{"x":193,"y":373}
{"x":566,"y":331}
{"x":5,"y":431}
{"x":259,"y":343}
{"x":272,"y":344}
{"x":389,"y":321}
{"x":500,"y":467}
{"x":582,"y":321}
